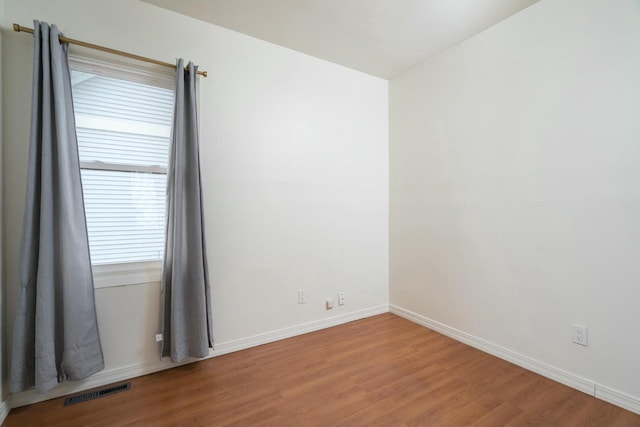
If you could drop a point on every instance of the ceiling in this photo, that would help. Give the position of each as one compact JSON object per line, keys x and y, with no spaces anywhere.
{"x":378,"y":37}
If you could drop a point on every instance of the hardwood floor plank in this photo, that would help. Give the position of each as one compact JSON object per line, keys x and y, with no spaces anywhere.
{"x":468,"y":413}
{"x":499,"y":416}
{"x":414,"y":411}
{"x":379,"y":371}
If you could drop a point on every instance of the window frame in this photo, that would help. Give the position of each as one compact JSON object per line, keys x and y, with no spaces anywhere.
{"x":137,"y":272}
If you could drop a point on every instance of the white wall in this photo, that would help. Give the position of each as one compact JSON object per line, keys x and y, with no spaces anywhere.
{"x":3,"y":370}
{"x":295,"y":168}
{"x":515,"y":187}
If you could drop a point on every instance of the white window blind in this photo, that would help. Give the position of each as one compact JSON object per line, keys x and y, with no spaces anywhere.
{"x":123,"y":132}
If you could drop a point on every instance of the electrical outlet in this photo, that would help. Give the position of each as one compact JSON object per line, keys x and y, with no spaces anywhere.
{"x":158,"y":337}
{"x":579,"y":334}
{"x":302,"y":296}
{"x":329,"y":303}
{"x":340,"y":298}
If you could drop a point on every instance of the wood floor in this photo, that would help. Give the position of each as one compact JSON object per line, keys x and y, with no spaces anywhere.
{"x":380,"y":371}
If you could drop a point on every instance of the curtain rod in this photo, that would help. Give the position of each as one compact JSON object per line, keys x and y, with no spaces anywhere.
{"x":18,"y":28}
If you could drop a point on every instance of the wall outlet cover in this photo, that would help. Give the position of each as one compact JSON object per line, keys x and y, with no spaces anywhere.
{"x":302,"y":296}
{"x":579,"y":334}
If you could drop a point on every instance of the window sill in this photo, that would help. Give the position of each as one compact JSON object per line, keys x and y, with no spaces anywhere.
{"x":133,"y":273}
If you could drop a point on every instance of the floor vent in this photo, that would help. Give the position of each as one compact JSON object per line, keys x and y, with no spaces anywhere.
{"x":96,"y":394}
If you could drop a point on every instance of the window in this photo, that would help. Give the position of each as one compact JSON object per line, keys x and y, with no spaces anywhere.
{"x":123,"y":123}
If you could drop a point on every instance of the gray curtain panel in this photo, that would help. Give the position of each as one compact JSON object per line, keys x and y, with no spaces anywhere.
{"x":187,"y":325}
{"x":56,"y":330}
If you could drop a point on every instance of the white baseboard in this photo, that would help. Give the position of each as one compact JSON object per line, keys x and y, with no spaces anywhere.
{"x":97,"y":380}
{"x":587,"y":386}
{"x":243,"y":343}
{"x":127,"y":372}
{"x":618,"y":398}
{"x":4,"y":410}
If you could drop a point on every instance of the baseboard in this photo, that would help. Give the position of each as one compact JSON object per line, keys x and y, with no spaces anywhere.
{"x":4,"y":410}
{"x":618,"y":398}
{"x":127,"y":372}
{"x":98,"y":380}
{"x":304,"y":328}
{"x":577,"y":382}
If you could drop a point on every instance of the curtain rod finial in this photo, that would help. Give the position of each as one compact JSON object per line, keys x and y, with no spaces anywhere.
{"x":204,"y":73}
{"x":16,"y":27}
